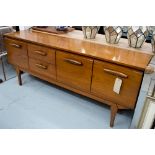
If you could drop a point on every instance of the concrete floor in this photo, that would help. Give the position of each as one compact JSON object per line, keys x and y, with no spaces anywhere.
{"x":38,"y":104}
{"x":9,"y":70}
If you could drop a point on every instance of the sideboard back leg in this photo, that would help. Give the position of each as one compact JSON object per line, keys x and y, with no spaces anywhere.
{"x":114,"y":110}
{"x":19,"y":76}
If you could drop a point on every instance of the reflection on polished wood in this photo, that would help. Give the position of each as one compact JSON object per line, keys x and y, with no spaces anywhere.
{"x":98,"y":48}
{"x":87,"y":67}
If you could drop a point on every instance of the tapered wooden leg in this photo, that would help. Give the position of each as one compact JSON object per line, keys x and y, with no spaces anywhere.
{"x":114,"y":110}
{"x":19,"y":76}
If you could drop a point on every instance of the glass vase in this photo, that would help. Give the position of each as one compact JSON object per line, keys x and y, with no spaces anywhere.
{"x":113,"y":34}
{"x":90,"y":31}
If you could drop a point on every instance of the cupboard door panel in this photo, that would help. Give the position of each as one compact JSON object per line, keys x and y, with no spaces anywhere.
{"x":74,"y":70}
{"x":104,"y":76}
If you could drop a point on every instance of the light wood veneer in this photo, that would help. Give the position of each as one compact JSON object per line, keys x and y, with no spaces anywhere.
{"x":87,"y":67}
{"x":74,"y":42}
{"x":74,"y":70}
{"x":104,"y":76}
{"x":17,"y":52}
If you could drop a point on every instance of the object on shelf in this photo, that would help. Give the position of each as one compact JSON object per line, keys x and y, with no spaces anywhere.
{"x":153,"y":42}
{"x":151,"y":30}
{"x":113,"y":34}
{"x":51,"y":29}
{"x":61,"y":28}
{"x":137,"y":35}
{"x":90,"y":31}
{"x":42,"y":26}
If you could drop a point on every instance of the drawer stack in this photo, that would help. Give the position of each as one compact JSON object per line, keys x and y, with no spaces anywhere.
{"x":42,"y":60}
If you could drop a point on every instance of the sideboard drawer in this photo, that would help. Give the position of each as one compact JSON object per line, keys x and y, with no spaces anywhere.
{"x":104,"y":76}
{"x":42,"y":68}
{"x":41,"y":53}
{"x":17,"y":52}
{"x":74,"y":70}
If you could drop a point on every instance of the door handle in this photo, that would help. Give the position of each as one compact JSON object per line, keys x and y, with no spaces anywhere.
{"x":41,"y":66}
{"x":16,"y":45}
{"x":116,"y":73}
{"x":40,"y":53}
{"x":74,"y":62}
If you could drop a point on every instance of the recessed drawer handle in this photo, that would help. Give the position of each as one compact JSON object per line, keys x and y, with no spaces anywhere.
{"x":40,"y":53}
{"x":41,"y":66}
{"x":116,"y":73}
{"x":74,"y":62}
{"x":15,"y":45}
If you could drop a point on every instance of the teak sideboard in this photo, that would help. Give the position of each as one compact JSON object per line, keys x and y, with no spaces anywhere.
{"x":87,"y":67}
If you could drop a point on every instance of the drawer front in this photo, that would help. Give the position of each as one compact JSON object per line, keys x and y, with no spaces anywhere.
{"x":41,"y":53}
{"x":42,"y":68}
{"x":104,"y":76}
{"x":17,"y":52}
{"x":74,"y":70}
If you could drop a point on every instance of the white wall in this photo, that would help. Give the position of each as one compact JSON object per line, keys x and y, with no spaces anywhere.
{"x":24,"y":27}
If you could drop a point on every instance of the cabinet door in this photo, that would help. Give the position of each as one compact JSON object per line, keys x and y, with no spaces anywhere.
{"x":17,"y":53}
{"x":74,"y":70}
{"x":104,"y":76}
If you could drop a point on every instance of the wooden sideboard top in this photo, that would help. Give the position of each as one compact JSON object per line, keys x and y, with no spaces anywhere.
{"x":97,"y":48}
